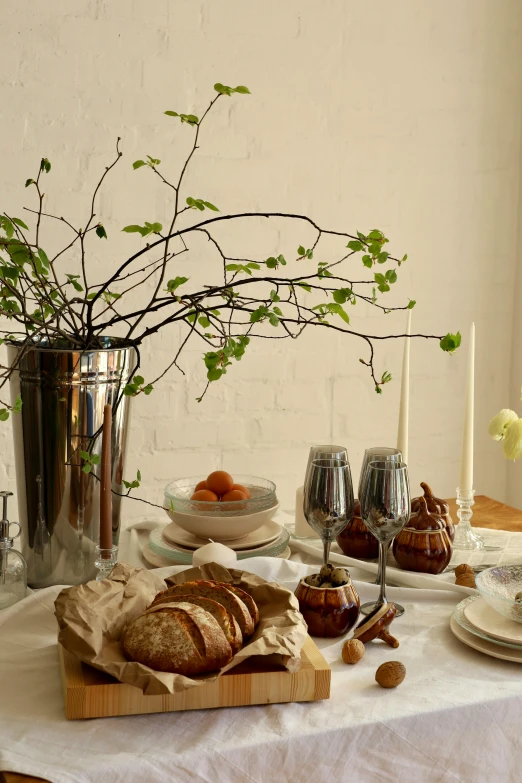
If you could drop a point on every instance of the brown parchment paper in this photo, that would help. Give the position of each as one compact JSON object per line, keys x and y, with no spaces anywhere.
{"x":93,"y":617}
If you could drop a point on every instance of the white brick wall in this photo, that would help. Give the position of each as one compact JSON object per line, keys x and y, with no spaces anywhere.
{"x":404,"y":116}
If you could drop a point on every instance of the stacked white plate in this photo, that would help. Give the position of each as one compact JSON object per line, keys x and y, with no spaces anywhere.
{"x":177,"y":545}
{"x":478,"y":625}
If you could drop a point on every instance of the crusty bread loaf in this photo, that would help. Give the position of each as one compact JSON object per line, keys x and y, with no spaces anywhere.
{"x":220,"y":593}
{"x":227,"y":621}
{"x":184,"y":640}
{"x":246,"y":598}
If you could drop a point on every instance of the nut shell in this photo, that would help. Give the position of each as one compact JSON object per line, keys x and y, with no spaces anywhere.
{"x":390,"y":674}
{"x":466,"y":580}
{"x":463,"y":568}
{"x":353,"y":650}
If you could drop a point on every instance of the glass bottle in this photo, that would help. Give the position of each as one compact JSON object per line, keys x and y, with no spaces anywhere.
{"x":13,"y":568}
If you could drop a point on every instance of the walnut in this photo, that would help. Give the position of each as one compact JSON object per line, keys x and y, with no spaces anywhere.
{"x":353,"y":651}
{"x":466,"y":580}
{"x":390,"y":674}
{"x":462,"y":569}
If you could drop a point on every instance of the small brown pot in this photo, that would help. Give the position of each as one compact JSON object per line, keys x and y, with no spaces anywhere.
{"x":436,"y":506}
{"x":424,"y":545}
{"x":356,"y":540}
{"x":332,"y":611}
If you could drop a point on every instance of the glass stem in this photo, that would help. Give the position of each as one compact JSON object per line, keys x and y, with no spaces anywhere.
{"x":326,"y":550}
{"x":383,"y":553}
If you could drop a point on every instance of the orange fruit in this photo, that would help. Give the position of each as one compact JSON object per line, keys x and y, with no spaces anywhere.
{"x":206,"y":495}
{"x":234,"y":494}
{"x":242,"y":489}
{"x":220,"y":482}
{"x":201,"y":485}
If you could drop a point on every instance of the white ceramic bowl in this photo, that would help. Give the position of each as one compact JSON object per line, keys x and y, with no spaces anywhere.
{"x":222,"y":528}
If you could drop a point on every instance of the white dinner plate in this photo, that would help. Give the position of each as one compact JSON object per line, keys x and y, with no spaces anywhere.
{"x":488,"y":648}
{"x":263,"y":535}
{"x":480,"y":614}
{"x":161,"y":562}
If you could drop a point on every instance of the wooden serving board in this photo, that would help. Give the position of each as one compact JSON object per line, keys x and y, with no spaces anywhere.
{"x":89,"y":693}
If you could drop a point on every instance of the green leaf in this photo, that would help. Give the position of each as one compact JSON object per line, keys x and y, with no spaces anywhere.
{"x":29,"y":182}
{"x":339,"y":310}
{"x":355,"y":245}
{"x":253,"y":265}
{"x":378,"y":390}
{"x":138,"y":380}
{"x":87,"y":468}
{"x":375,"y":234}
{"x":172,"y":113}
{"x":147,"y":389}
{"x":204,"y":322}
{"x":309,"y":253}
{"x":191,"y":317}
{"x":173,"y":284}
{"x":17,"y":407}
{"x":153,"y":161}
{"x":7,"y":226}
{"x":411,"y":304}
{"x":232,"y":267}
{"x":367,"y":261}
{"x":138,"y":164}
{"x":305,"y":286}
{"x":43,"y":257}
{"x":273,"y":319}
{"x":129,"y":390}
{"x":4,"y":414}
{"x":223,"y":89}
{"x":210,"y":206}
{"x":135,"y":230}
{"x":277,"y":311}
{"x":271,"y":263}
{"x":342,"y":295}
{"x":138,"y":475}
{"x":391,"y":276}
{"x":95,"y":459}
{"x":451,"y":342}
{"x":281,"y":259}
{"x":45,"y":165}
{"x":153,"y":227}
{"x":301,"y":250}
{"x":100,"y":232}
{"x":85,"y":455}
{"x":274,"y":296}
{"x":242,"y":90}
{"x":404,"y":258}
{"x":382,"y":257}
{"x":20,"y":223}
{"x":214,"y":374}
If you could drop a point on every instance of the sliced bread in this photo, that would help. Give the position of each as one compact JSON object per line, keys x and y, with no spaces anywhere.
{"x":183,"y":640}
{"x":227,"y":621}
{"x":220,"y":593}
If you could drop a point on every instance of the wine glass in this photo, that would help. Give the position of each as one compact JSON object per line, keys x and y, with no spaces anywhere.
{"x":328,"y":499}
{"x":377,"y":454}
{"x":385,"y":509}
{"x":325,"y":452}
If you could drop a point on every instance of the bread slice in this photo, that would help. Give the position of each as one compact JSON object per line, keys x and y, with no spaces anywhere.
{"x":220,"y":593}
{"x":246,"y":598}
{"x":227,"y":621}
{"x":183,"y":640}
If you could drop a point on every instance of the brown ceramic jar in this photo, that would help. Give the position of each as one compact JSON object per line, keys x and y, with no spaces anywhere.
{"x":435,"y":506}
{"x":356,"y":540}
{"x":423,"y":545}
{"x":330,"y":611}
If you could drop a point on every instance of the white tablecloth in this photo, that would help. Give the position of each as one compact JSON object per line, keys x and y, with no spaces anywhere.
{"x":457,"y":715}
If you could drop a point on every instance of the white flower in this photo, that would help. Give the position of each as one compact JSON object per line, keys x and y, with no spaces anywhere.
{"x":513,"y":440}
{"x":498,"y":425}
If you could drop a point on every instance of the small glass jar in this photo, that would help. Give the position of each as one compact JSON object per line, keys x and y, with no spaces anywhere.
{"x":13,"y":568}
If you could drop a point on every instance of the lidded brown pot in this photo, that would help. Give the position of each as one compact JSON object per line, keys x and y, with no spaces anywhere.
{"x":424,"y":545}
{"x":328,"y":611}
{"x":356,"y":540}
{"x":435,"y":506}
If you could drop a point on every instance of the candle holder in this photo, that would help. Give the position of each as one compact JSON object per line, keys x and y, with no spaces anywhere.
{"x":105,"y":560}
{"x":465,"y":537}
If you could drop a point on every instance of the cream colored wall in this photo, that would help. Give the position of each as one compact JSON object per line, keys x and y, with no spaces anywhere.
{"x":401,"y":115}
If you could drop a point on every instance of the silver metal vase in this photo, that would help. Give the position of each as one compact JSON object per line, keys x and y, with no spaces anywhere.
{"x":64,"y":391}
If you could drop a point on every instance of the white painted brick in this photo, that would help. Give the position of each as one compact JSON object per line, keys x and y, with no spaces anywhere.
{"x":429,"y":153}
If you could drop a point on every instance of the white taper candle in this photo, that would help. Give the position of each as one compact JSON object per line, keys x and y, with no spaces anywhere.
{"x":466,"y":467}
{"x":404,"y":409}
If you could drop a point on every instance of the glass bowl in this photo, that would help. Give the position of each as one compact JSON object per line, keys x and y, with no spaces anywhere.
{"x":498,"y":586}
{"x":221,"y":521}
